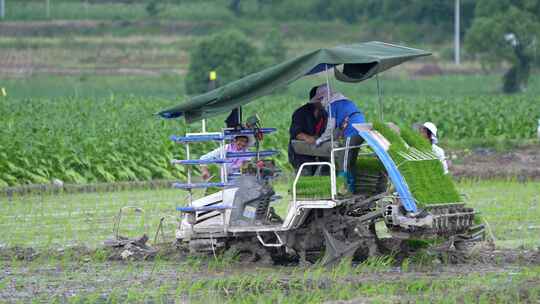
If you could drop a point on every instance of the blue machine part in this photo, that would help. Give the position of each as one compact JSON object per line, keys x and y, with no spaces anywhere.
{"x":200,"y":161}
{"x":196,"y":138}
{"x":201,"y":185}
{"x":228,"y":135}
{"x":232,"y":133}
{"x":263,"y":153}
{"x":397,"y":179}
{"x":202,"y":208}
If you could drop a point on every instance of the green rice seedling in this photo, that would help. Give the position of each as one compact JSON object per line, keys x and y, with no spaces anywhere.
{"x":192,"y":263}
{"x":316,"y":187}
{"x":196,"y":287}
{"x":343,"y":269}
{"x":423,"y":259}
{"x":114,"y":296}
{"x":317,"y":272}
{"x":425,"y":178}
{"x":133,"y":295}
{"x":375,"y":263}
{"x":405,"y":264}
{"x":369,"y":165}
{"x":222,"y":260}
{"x":3,"y":283}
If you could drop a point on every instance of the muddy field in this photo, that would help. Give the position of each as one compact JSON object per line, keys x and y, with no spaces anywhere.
{"x":80,"y":274}
{"x":520,"y":163}
{"x":52,"y":248}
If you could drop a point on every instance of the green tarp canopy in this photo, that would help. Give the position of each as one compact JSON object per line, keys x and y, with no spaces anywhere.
{"x":359,"y":62}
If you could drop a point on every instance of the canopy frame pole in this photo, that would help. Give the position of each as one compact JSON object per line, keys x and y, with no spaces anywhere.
{"x":204,"y":125}
{"x":329,"y":106}
{"x":379,"y":96}
{"x":240,"y":115}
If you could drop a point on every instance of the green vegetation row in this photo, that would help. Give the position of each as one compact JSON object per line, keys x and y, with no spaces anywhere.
{"x":82,"y":140}
{"x":377,"y":16}
{"x":120,"y":139}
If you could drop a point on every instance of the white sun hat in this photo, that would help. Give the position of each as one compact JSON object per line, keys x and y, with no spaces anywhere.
{"x":431,"y":127}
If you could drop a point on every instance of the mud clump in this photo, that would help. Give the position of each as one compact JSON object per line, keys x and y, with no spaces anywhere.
{"x":535,"y":257}
{"x":498,"y":256}
{"x":123,"y":248}
{"x":18,"y":253}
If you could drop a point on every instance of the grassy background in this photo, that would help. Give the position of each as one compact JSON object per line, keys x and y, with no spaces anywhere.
{"x":395,"y":83}
{"x":76,"y":10}
{"x":512,"y":210}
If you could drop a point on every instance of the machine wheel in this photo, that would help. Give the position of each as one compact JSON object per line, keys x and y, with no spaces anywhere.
{"x":250,"y":252}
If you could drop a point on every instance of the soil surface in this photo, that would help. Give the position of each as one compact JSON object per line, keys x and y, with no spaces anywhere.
{"x":522,"y":163}
{"x":28,"y":274}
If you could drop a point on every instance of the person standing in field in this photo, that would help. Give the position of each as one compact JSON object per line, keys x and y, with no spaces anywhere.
{"x":429,"y":131}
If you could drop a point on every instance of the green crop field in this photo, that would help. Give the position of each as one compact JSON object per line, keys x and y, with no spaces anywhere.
{"x":104,"y":133}
{"x":76,"y":10}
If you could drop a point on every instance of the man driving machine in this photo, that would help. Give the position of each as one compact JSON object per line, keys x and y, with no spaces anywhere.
{"x":307,"y":125}
{"x":343,"y":113}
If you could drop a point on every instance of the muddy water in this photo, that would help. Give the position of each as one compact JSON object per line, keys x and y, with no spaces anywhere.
{"x":27,"y":274}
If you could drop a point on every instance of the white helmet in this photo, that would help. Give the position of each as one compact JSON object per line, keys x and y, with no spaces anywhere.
{"x":431,"y":127}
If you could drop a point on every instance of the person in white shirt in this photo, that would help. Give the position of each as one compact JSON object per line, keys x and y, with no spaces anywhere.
{"x":429,"y":131}
{"x":239,"y":144}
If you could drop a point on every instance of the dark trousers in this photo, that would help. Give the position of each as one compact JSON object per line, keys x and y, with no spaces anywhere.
{"x":348,"y":158}
{"x":345,"y":160}
{"x":305,"y":152}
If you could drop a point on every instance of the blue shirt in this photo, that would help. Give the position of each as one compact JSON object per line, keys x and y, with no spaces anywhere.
{"x":344,"y":108}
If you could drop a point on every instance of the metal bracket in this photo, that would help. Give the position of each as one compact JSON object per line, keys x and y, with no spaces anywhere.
{"x":270,"y":245}
{"x":336,"y":249}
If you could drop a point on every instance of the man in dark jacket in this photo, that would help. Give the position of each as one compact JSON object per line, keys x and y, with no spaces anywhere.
{"x":308,"y":123}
